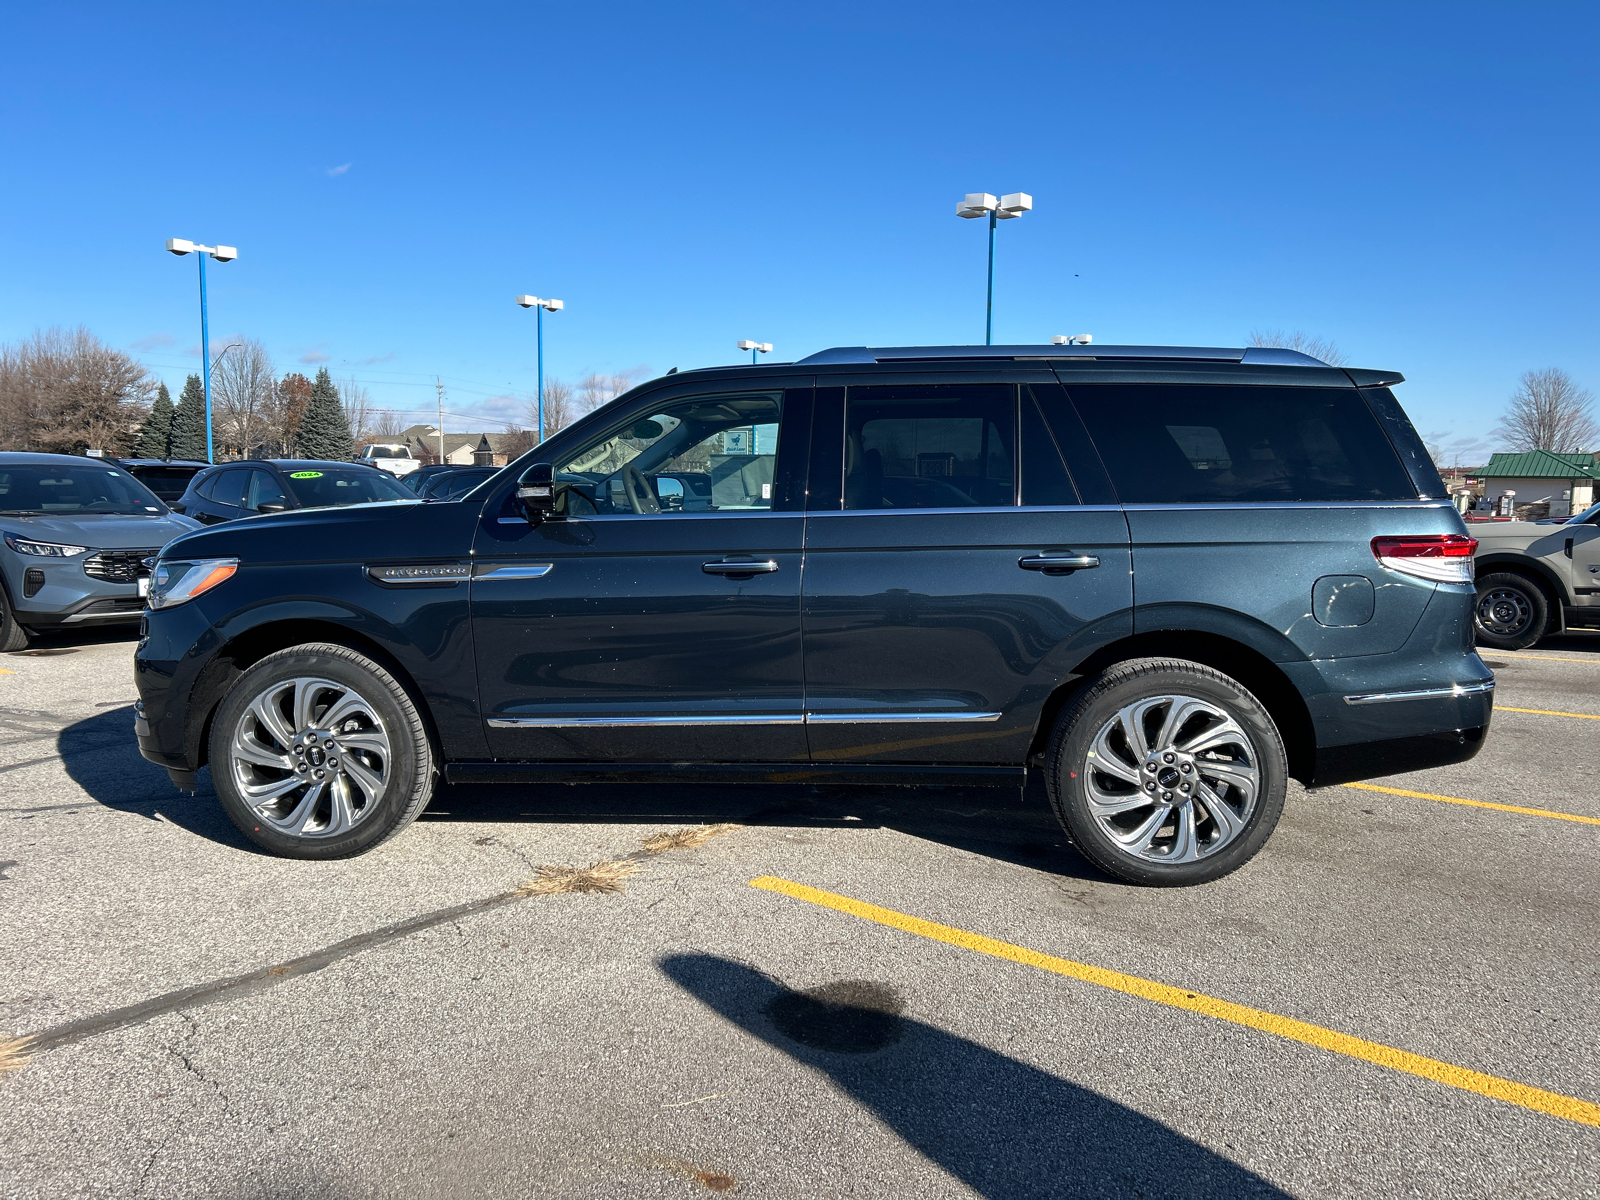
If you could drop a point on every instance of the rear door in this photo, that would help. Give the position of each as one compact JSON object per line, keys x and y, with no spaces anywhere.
{"x":223,"y":499}
{"x":954,"y":574}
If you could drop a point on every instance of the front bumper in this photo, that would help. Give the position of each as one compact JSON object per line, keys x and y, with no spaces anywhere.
{"x":64,"y":596}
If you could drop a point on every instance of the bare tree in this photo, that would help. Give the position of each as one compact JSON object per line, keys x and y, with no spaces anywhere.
{"x":1316,"y":347}
{"x":386,"y":425}
{"x":244,"y":399}
{"x":1548,"y":411}
{"x":560,"y":408}
{"x":65,"y":391}
{"x":517,"y":441}
{"x":357,"y":403}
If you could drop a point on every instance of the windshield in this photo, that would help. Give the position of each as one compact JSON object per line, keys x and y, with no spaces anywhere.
{"x":361,"y":485}
{"x":50,"y":490}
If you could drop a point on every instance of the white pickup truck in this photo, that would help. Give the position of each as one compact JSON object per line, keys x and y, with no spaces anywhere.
{"x":392,"y":458}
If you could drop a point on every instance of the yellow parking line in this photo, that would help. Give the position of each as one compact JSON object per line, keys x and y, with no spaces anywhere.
{"x":1516,"y":654}
{"x":1537,"y":1099}
{"x":1531,"y":812}
{"x":1546,"y":712}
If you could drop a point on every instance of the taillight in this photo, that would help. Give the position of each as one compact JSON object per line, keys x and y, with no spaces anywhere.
{"x":1441,"y":557}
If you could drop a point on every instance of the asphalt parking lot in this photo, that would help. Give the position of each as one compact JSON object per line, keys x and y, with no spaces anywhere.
{"x":926,"y":993}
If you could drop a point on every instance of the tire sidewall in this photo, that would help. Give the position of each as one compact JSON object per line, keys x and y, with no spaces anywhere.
{"x":393,"y":808}
{"x":1538,"y":605}
{"x":1098,"y":704}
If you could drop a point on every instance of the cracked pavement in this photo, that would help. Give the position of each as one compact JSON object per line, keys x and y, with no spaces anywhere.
{"x":372,"y":1028}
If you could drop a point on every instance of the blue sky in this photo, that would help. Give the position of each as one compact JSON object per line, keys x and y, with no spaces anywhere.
{"x":1414,"y":181}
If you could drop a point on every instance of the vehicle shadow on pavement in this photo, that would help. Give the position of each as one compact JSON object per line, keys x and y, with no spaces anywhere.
{"x":995,"y":822}
{"x":102,"y":757}
{"x":1002,"y":1127}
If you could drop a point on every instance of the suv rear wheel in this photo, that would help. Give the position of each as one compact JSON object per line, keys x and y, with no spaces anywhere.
{"x":1166,"y":772}
{"x":1511,"y":612}
{"x":318,"y":752}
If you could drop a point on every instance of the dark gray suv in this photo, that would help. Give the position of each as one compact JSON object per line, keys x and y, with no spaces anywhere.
{"x":1166,"y":579}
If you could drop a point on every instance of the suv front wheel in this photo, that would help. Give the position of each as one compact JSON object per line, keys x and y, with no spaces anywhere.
{"x":1167,"y":773}
{"x":318,"y":752}
{"x":1511,"y":612}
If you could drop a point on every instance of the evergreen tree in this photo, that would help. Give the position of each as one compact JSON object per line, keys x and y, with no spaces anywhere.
{"x":189,"y":421}
{"x":155,"y":435}
{"x":325,"y":429}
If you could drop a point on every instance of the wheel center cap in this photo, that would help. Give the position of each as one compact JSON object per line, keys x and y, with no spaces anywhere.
{"x":1168,"y":777}
{"x":316,"y":756}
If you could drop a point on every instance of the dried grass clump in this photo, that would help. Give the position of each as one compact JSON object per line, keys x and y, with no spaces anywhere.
{"x":14,"y":1054}
{"x":606,"y":876}
{"x":686,"y":839}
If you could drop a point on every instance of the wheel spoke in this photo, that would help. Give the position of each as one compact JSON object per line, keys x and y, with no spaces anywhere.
{"x":1226,"y":733}
{"x":265,"y":710}
{"x":343,"y":707}
{"x":247,"y":749}
{"x":1229,"y":826}
{"x":367,"y":781}
{"x":259,"y":793}
{"x":1138,"y":840}
{"x":1185,"y":847}
{"x":1240,"y":775}
{"x":367,"y":739}
{"x":302,"y":813}
{"x":1108,"y":760}
{"x":339,"y":815}
{"x":1178,"y":713}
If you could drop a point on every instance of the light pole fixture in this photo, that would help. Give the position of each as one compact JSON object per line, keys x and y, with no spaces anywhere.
{"x":756,"y":348}
{"x":1072,"y":339}
{"x":980,"y":204}
{"x":543,"y":306}
{"x":180,"y":247}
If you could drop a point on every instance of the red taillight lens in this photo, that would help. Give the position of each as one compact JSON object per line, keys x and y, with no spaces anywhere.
{"x":1441,"y":557}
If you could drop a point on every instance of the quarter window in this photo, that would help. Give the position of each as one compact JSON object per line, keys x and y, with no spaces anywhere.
{"x":1175,"y":444}
{"x":938,"y":446}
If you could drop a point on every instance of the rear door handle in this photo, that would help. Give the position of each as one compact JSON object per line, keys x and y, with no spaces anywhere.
{"x":740,"y":566}
{"x":1057,"y":564}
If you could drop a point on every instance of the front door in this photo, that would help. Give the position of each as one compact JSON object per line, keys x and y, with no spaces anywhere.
{"x":954,"y":574}
{"x":659,"y":622}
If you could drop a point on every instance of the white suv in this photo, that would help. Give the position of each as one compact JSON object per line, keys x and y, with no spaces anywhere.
{"x":392,"y":458}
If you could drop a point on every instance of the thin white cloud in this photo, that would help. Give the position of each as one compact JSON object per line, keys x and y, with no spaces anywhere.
{"x":153,"y":341}
{"x":315,"y":354}
{"x":378,"y":358}
{"x":338,"y":170}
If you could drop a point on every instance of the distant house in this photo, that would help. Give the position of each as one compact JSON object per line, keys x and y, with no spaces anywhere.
{"x":464,"y":449}
{"x":1545,"y":483}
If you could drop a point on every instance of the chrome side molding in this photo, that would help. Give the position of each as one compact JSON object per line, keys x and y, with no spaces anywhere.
{"x":1471,"y":689}
{"x":740,"y":719}
{"x":511,"y":570}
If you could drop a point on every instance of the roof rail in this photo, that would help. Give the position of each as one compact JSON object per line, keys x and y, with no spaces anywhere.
{"x":1263,"y":355}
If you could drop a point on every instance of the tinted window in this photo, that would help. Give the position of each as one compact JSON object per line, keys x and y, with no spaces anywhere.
{"x":1176,"y":444}
{"x":942,"y":446}
{"x":317,"y":487}
{"x":265,"y":489}
{"x":229,"y":488}
{"x":167,"y":482}
{"x":721,"y":449}
{"x":65,"y":489}
{"x":1044,"y":476}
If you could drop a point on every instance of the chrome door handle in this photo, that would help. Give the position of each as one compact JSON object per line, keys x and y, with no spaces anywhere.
{"x":740,"y":566}
{"x":1057,"y":564}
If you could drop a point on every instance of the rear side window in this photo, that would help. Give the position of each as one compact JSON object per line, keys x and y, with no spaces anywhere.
{"x":937,"y":446}
{"x":229,"y":488}
{"x":1186,"y":444}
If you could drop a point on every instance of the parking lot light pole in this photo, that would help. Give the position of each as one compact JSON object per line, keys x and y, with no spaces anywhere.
{"x":756,"y":348}
{"x":543,"y":306}
{"x":180,"y":247}
{"x":980,"y":204}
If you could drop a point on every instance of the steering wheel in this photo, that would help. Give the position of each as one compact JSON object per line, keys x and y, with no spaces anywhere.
{"x":641,"y":496}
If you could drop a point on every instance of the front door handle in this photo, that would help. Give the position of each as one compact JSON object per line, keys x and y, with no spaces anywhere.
{"x":740,"y":566}
{"x":1058,"y":564}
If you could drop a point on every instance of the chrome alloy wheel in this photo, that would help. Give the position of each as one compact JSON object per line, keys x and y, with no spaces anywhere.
{"x":1504,"y":612}
{"x":1172,"y":779}
{"x":310,"y":757}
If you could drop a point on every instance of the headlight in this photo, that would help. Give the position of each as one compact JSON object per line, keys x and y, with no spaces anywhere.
{"x":174,"y":581}
{"x":42,"y":549}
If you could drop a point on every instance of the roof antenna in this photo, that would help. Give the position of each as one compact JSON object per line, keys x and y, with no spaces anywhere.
{"x":1074,"y":339}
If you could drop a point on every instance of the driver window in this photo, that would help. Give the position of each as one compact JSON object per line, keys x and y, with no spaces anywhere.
{"x":702,"y":454}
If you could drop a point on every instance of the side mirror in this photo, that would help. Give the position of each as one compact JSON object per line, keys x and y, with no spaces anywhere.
{"x":539,"y":494}
{"x":271,"y":508}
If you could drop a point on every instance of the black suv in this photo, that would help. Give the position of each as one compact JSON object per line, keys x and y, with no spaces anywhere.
{"x":1169,"y":579}
{"x":245,"y":489}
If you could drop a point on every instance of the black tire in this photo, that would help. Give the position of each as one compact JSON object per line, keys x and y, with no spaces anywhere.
{"x":1202,"y":846}
{"x":388,"y":770}
{"x":1510,"y":613}
{"x":13,"y":637}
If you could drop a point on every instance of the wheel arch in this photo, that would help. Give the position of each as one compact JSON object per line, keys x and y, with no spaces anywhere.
{"x":248,"y":647}
{"x":1234,"y":658}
